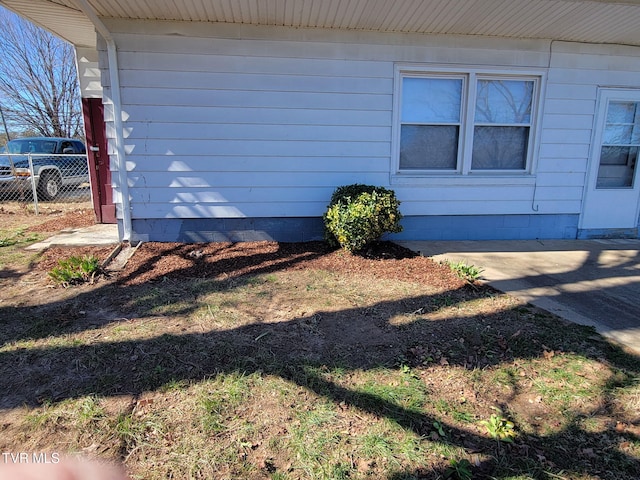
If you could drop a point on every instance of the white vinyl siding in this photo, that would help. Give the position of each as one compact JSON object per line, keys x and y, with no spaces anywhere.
{"x":242,"y":121}
{"x":576,"y":71}
{"x":88,"y":72}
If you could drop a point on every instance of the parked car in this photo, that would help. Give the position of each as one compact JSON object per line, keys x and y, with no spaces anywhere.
{"x":58,"y":163}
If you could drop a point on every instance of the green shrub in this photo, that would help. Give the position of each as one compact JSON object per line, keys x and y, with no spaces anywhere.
{"x":360,"y":214}
{"x":75,"y":270}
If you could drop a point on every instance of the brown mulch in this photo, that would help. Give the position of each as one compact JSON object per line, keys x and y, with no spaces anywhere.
{"x":155,"y":261}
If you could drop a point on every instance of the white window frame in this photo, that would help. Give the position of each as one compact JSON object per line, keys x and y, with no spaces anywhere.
{"x":463,"y":171}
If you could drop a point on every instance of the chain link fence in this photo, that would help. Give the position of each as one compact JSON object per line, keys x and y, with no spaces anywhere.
{"x":34,"y":177}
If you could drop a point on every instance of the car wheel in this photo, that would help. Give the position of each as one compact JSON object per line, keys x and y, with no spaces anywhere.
{"x":49,"y":186}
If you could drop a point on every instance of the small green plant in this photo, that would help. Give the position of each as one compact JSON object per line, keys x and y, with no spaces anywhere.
{"x":459,"y":470}
{"x":360,"y":214}
{"x":89,"y":410}
{"x":75,"y":270}
{"x":499,"y":428}
{"x":464,"y":271}
{"x":439,"y":429}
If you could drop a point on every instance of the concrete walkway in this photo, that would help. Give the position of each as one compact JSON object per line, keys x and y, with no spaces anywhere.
{"x":590,"y":282}
{"x":95,"y":235}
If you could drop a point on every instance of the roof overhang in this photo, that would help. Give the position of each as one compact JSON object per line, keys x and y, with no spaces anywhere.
{"x":589,"y":21}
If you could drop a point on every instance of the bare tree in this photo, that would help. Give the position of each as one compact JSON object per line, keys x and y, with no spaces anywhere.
{"x":38,"y":80}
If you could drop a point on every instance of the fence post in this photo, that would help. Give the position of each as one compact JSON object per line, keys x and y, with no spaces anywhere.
{"x":33,"y":184}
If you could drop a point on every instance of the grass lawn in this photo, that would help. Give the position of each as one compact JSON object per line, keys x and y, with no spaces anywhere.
{"x":268,"y":361}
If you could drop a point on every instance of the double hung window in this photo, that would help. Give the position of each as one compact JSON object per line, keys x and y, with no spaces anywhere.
{"x":465,"y":123}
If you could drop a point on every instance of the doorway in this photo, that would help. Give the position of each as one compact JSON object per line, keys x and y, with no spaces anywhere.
{"x":612,"y":193}
{"x":97,"y":153}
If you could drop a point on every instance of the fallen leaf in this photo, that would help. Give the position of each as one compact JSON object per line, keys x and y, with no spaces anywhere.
{"x":144,"y":402}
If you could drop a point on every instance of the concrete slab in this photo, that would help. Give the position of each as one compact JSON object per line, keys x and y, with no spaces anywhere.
{"x":95,"y":235}
{"x":590,"y":282}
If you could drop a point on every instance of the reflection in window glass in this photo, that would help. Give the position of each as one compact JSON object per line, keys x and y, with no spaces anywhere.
{"x":431,"y":100}
{"x":502,"y":118}
{"x":504,"y":101}
{"x":623,"y":124}
{"x":621,"y":134}
{"x":620,"y":142}
{"x":430,"y":123}
{"x":500,"y":148}
{"x":617,"y":167}
{"x":622,"y":112}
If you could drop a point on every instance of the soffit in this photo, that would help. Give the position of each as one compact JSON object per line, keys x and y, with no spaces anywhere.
{"x":594,"y":21}
{"x":68,"y":23}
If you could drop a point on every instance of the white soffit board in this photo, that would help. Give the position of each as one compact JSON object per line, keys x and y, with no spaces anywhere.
{"x":595,"y":21}
{"x":68,"y":23}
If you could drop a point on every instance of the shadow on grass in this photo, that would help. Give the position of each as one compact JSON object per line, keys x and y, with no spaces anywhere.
{"x":351,"y":339}
{"x":102,"y":306}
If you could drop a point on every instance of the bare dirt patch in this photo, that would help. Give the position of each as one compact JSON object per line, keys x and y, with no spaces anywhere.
{"x":51,"y":218}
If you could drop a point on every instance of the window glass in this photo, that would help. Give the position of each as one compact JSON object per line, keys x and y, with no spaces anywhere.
{"x":623,"y":124}
{"x":500,"y":148}
{"x":618,"y":155}
{"x":47,"y":147}
{"x":502,"y":115}
{"x":617,"y":167}
{"x":620,"y":142}
{"x":621,"y":134}
{"x":427,"y":147}
{"x":622,"y":112}
{"x":431,"y":100}
{"x":504,"y":101}
{"x":430,"y":123}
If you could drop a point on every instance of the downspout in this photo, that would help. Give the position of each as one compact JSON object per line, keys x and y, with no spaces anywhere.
{"x":121,"y":163}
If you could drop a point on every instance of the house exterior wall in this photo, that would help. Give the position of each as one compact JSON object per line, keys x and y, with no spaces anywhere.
{"x":88,"y":72}
{"x":243,"y":132}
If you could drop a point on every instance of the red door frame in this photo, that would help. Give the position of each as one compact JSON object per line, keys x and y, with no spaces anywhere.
{"x":97,"y":153}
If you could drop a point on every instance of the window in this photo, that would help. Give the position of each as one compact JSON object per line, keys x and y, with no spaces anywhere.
{"x":465,"y":123}
{"x":431,"y":116}
{"x":620,"y":143}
